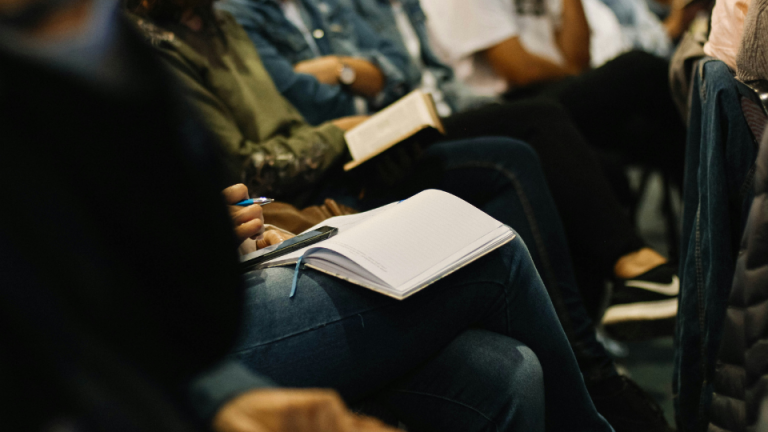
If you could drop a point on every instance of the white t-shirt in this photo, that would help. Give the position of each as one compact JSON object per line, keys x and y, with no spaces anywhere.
{"x":607,"y":39}
{"x":460,"y":29}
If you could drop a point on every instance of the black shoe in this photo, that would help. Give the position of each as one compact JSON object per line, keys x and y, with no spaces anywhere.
{"x":627,"y":407}
{"x":644,"y":306}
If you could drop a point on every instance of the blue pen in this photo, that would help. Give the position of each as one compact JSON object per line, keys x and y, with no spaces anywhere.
{"x":262,"y":201}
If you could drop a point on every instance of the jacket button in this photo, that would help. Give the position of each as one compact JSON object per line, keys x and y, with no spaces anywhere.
{"x":318,"y":33}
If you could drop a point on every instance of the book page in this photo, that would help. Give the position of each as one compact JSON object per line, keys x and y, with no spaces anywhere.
{"x":342,"y":223}
{"x":501,"y":235}
{"x":389,"y":126}
{"x":413,"y":236}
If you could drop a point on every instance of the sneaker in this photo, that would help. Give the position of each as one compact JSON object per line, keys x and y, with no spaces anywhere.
{"x":644,"y":306}
{"x":627,"y":407}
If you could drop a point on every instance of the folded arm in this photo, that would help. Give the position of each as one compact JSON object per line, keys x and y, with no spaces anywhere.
{"x":519,"y":67}
{"x":369,"y":80}
{"x":573,"y":36}
{"x":318,"y":100}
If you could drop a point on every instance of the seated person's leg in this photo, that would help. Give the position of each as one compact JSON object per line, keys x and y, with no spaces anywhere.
{"x":503,"y":177}
{"x":489,"y":397}
{"x":626,"y":106}
{"x":598,"y":229}
{"x":334,"y":334}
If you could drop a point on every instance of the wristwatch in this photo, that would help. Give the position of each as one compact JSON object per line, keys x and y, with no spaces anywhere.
{"x":347,"y":75}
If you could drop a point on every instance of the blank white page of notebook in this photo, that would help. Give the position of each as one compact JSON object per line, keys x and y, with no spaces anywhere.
{"x":415,"y":235}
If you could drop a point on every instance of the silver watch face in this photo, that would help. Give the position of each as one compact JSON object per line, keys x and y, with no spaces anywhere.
{"x":347,"y":75}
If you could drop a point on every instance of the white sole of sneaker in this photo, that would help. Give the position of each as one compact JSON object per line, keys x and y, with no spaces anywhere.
{"x":647,"y":311}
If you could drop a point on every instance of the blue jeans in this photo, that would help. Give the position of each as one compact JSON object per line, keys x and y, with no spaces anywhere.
{"x":461,"y":355}
{"x":503,"y":177}
{"x":717,"y":193}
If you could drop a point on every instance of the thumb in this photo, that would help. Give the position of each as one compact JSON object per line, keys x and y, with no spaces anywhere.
{"x":271,"y":237}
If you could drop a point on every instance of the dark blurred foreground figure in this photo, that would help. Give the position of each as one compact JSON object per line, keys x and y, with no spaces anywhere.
{"x":98,"y":334}
{"x":118,"y":264}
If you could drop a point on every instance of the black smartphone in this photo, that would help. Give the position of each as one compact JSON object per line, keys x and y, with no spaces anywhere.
{"x":290,"y":245}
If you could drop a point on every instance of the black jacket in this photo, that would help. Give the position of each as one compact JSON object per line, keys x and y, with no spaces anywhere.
{"x":742,"y":370}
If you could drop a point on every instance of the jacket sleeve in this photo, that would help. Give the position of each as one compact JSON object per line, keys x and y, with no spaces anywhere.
{"x":280,"y":165}
{"x":385,"y":54}
{"x":316,"y":101}
{"x":209,"y":391}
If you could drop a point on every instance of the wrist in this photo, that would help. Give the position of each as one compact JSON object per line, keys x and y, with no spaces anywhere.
{"x":345,"y":74}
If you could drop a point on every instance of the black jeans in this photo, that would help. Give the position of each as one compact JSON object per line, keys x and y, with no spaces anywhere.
{"x":597,"y":228}
{"x":625,"y":107}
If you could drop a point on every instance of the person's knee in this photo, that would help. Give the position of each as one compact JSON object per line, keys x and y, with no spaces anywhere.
{"x":517,"y":258}
{"x":511,"y":153}
{"x":509,"y":370}
{"x":486,"y":152}
{"x":545,"y":112}
{"x":635,"y":59}
{"x":640,"y":66}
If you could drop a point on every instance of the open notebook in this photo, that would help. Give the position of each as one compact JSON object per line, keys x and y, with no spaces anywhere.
{"x":403,"y":119}
{"x":401,"y":248}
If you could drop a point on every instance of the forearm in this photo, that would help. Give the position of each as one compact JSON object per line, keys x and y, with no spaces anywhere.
{"x":285,"y":165}
{"x":544,"y":70}
{"x":519,"y":67}
{"x":369,"y":81}
{"x":573,"y":37}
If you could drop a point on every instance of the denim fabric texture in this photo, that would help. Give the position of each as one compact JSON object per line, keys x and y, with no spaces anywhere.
{"x":641,"y":28}
{"x":210,"y":390}
{"x":503,"y":177}
{"x":379,"y":16}
{"x":337,"y":31}
{"x":481,"y":349}
{"x":720,"y":157}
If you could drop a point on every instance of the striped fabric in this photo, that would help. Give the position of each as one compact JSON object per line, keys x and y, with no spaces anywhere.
{"x":755,"y":117}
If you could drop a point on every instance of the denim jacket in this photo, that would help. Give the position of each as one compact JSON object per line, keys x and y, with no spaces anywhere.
{"x":717,"y":194}
{"x":341,"y":32}
{"x":379,"y":15}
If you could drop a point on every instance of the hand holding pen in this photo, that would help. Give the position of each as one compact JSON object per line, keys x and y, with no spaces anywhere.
{"x":264,"y":239}
{"x":262,"y":201}
{"x":246,"y":214}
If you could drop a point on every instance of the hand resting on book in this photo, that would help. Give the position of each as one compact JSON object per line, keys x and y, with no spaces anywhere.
{"x":347,"y":123}
{"x":273,"y":237}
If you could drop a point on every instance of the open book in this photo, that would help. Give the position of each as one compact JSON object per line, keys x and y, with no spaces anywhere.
{"x":401,"y":248}
{"x":403,"y":119}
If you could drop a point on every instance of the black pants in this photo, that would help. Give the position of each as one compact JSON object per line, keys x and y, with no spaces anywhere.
{"x":624,"y":107}
{"x":597,"y":227}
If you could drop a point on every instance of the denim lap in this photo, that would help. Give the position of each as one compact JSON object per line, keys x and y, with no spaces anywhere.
{"x":488,"y":398}
{"x":335,"y":334}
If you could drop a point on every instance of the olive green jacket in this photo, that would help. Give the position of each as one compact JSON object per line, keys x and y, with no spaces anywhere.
{"x":223,"y":77}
